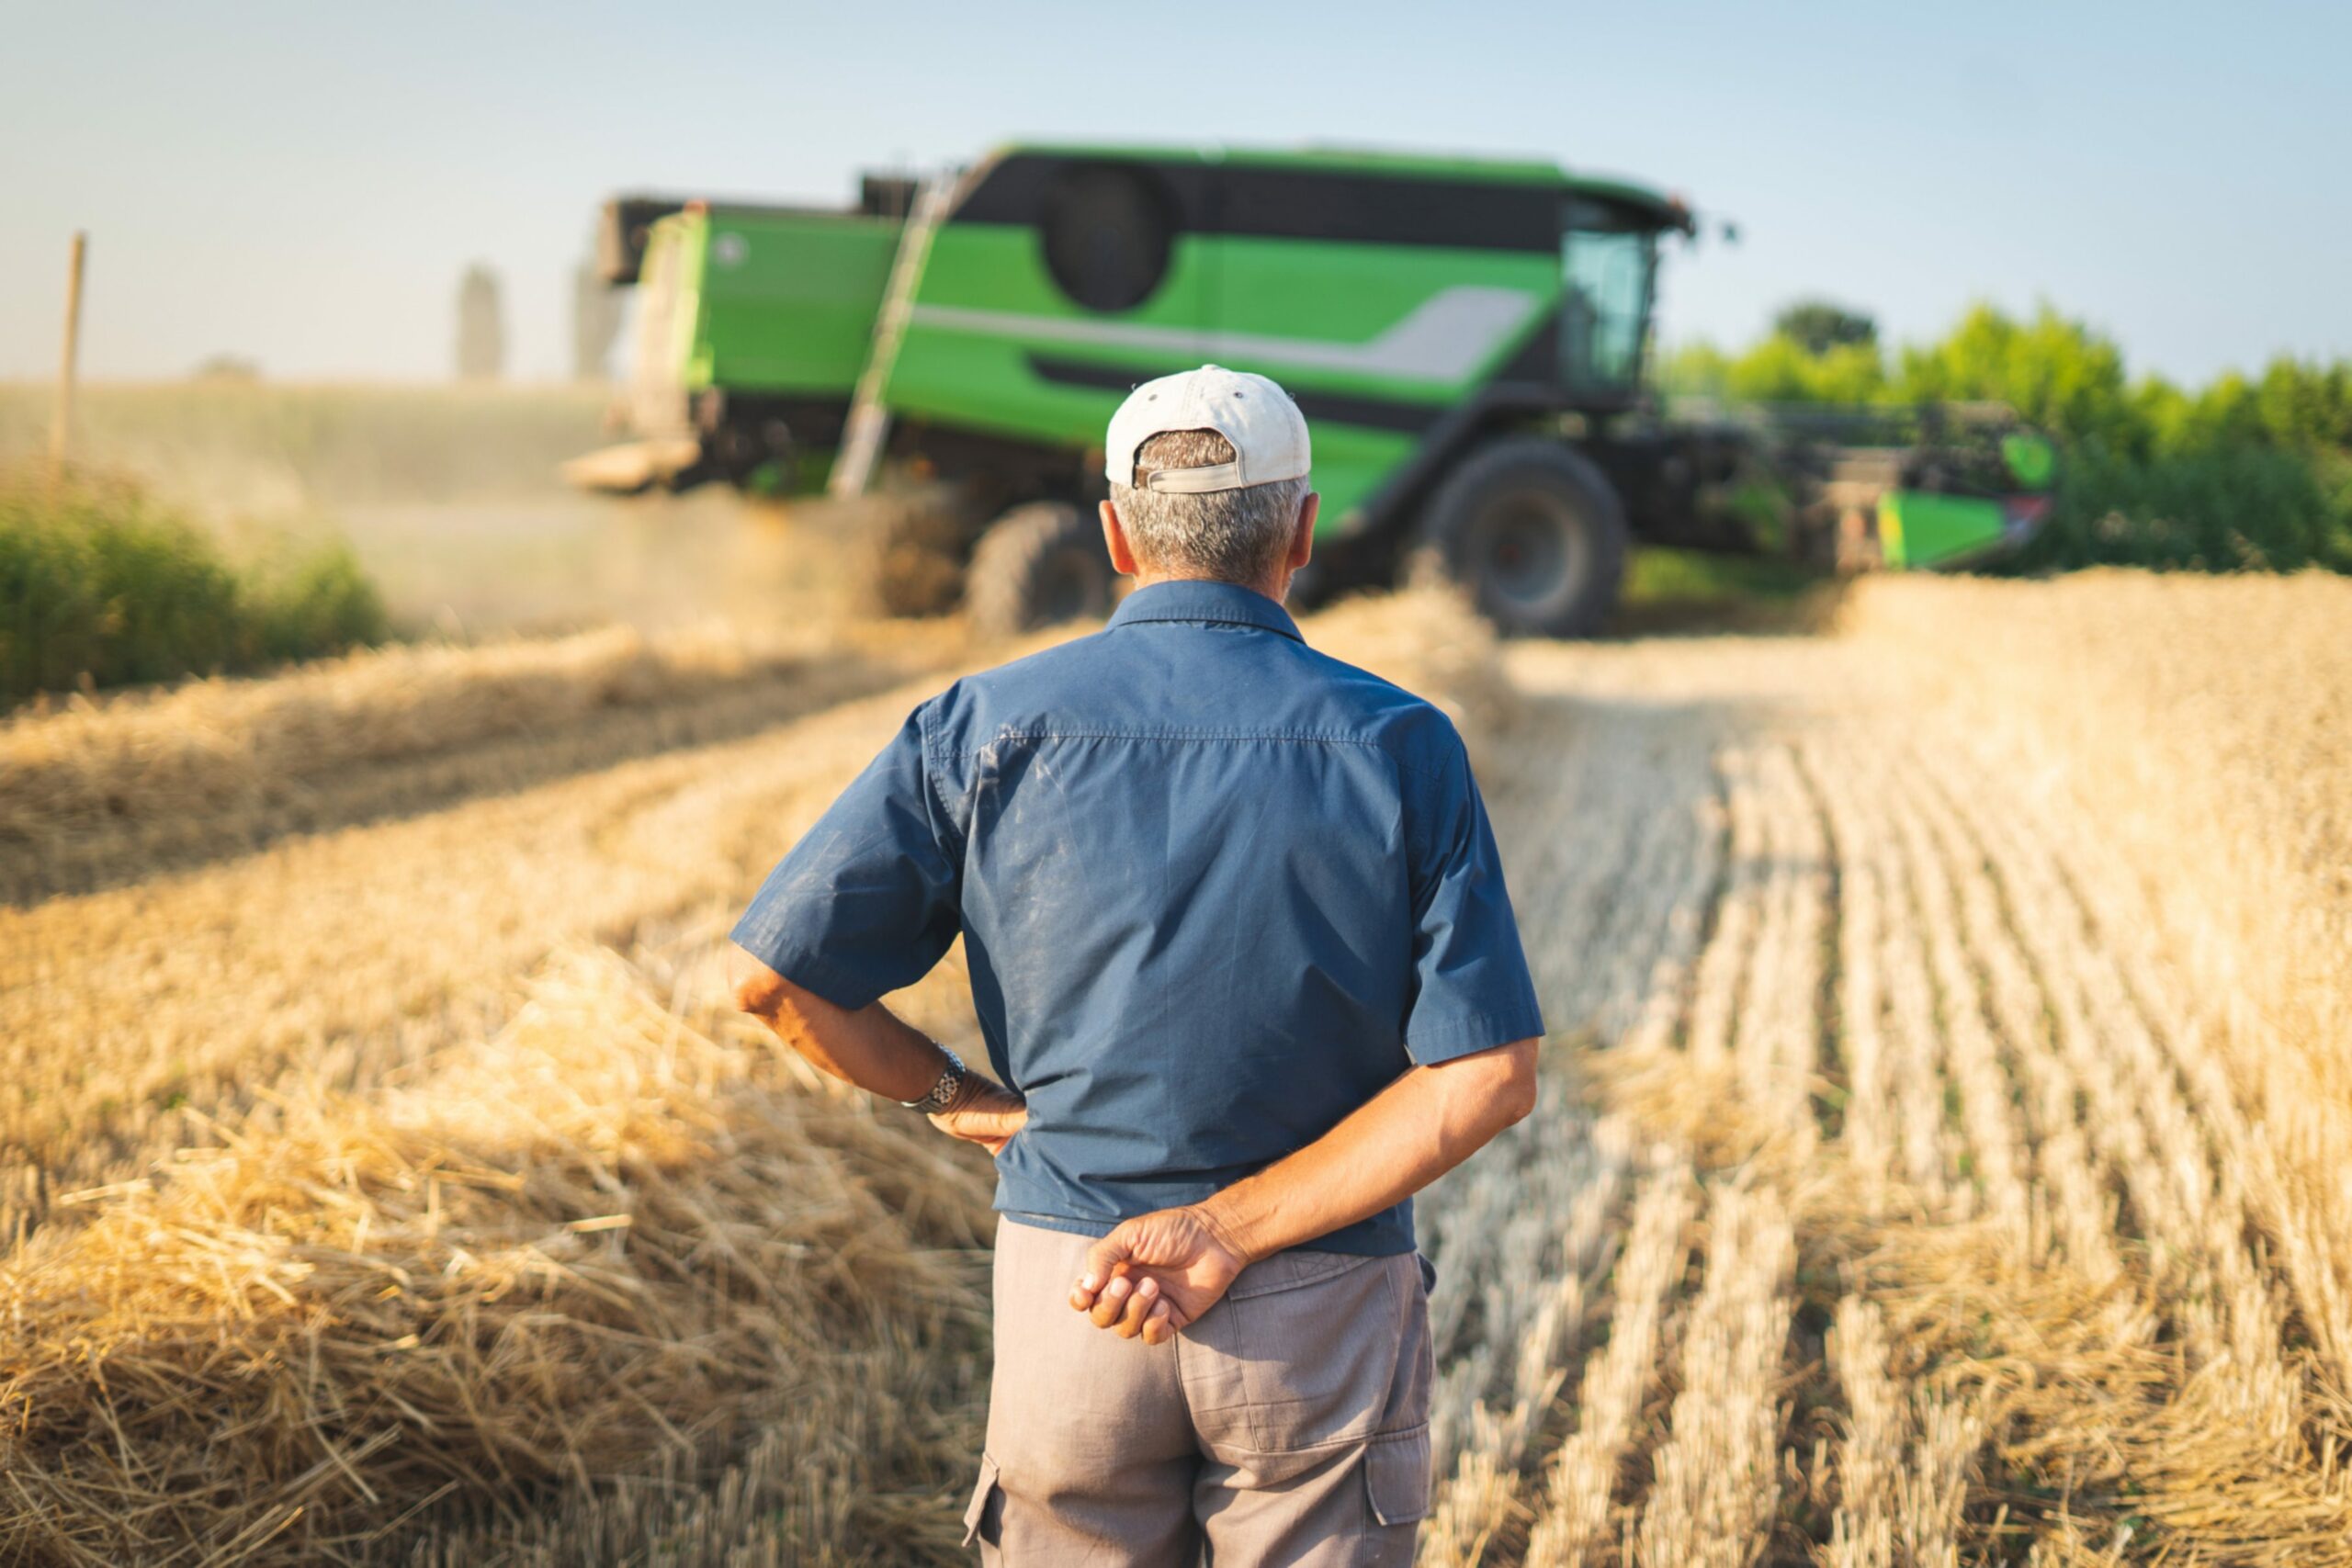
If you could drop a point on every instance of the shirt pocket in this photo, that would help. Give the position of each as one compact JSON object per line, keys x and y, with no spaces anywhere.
{"x":1311,"y":1354}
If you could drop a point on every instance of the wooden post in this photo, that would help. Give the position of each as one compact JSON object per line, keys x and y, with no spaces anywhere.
{"x":61,"y":443}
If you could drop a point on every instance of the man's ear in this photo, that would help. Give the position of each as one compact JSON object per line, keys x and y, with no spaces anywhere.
{"x":1302,"y":542}
{"x":1114,"y":539}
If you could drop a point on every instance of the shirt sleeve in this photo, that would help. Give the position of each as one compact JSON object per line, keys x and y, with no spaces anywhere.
{"x":868,"y":899}
{"x":1471,"y":987}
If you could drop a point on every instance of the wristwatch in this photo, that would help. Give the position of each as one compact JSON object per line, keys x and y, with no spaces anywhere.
{"x":942,"y":1093}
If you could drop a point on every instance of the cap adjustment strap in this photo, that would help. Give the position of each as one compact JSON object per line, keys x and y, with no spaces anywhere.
{"x":1195,"y":481}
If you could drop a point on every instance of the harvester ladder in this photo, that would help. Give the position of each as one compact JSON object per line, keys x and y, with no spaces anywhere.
{"x":870,"y":420}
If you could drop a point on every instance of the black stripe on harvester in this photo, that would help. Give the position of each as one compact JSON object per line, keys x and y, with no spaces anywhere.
{"x":1347,"y":206}
{"x":1340,"y":408}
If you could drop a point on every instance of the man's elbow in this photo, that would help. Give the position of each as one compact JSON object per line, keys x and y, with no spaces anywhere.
{"x":759,"y":990}
{"x":1493,"y":1087}
{"x":1515,"y":1090}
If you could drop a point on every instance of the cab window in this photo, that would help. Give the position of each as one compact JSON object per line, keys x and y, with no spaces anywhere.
{"x":1607,"y":261}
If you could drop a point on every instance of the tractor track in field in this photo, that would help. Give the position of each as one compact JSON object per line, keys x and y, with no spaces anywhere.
{"x":1890,"y":1202}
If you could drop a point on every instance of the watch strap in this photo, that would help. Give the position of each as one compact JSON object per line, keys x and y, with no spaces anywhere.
{"x":942,"y":1093}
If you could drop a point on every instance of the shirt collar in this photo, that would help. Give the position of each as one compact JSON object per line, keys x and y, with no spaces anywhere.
{"x":1225,"y":603}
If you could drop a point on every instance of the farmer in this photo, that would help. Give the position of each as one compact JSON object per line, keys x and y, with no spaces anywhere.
{"x":1249,"y":977}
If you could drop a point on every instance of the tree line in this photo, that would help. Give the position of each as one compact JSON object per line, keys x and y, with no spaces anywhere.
{"x":2242,"y":473}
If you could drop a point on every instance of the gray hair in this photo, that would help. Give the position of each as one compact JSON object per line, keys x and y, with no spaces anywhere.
{"x":1230,"y":535}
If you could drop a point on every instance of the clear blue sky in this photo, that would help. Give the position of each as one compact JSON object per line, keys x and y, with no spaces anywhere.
{"x":304,"y":183}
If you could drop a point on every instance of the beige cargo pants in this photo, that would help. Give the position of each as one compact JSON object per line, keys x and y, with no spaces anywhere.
{"x":1289,"y":1426}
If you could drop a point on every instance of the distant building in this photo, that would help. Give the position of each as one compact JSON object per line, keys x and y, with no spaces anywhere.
{"x":481,"y":326}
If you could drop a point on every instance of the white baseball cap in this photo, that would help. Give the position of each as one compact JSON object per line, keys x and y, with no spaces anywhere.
{"x":1268,"y":433}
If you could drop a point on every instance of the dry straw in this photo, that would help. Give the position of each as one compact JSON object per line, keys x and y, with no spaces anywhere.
{"x":606,"y":1234}
{"x":2057,"y":1170}
{"x":107,"y":789}
{"x":1969,"y":973}
{"x":531,"y":1297}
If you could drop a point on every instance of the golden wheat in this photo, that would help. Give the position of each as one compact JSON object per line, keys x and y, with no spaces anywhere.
{"x":411,"y":1275}
{"x":1968,"y":974}
{"x":605,"y":1233}
{"x":1717,"y":1473}
{"x":124,"y":787}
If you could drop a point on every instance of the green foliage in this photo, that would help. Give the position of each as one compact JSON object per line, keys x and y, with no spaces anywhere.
{"x":1657,"y":575}
{"x":1780,"y":370}
{"x":322,"y":603}
{"x":2058,"y":374}
{"x":2237,"y":475}
{"x":1820,"y":325}
{"x":2226,"y":509}
{"x":98,"y":584}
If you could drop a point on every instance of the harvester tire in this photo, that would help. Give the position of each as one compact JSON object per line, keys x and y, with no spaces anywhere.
{"x":1534,"y":531}
{"x":1038,"y":566}
{"x":911,"y":556}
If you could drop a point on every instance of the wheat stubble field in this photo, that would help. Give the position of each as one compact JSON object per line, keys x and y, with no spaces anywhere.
{"x":1939,"y":1159}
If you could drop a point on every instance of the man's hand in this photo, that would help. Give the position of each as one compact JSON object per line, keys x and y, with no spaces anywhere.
{"x":1157,"y":1274}
{"x":984,"y":1113}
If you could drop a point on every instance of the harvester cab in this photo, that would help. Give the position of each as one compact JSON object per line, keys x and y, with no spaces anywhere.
{"x":1466,"y":338}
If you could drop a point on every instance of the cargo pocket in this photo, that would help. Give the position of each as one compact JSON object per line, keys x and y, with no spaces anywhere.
{"x":1396,"y":1476}
{"x":982,"y":1517}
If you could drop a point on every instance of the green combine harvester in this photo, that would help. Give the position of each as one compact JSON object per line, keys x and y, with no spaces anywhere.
{"x":1467,"y":339}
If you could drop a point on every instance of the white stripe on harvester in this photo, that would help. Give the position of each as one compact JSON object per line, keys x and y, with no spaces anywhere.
{"x":1447,"y":337}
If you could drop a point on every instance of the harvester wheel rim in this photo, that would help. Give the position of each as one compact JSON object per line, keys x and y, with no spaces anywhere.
{"x":1534,"y":531}
{"x":1533,"y":544}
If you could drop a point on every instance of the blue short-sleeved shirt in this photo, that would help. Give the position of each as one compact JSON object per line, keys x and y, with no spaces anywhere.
{"x":1217,"y":890}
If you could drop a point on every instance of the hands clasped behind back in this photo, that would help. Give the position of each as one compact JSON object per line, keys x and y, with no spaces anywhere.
{"x":1156,"y":1274}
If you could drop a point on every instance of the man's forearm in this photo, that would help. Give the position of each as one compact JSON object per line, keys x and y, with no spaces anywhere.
{"x":866,"y":1046}
{"x":1413,"y":1131}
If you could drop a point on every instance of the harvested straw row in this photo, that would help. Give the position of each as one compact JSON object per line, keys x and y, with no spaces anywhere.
{"x":1778,"y":1035}
{"x":1613,"y":819}
{"x":1870,"y":1457}
{"x":1609,"y":878}
{"x":1517,"y":1237}
{"x":2224,"y":1307}
{"x":1933,"y":1151}
{"x":338,"y":958}
{"x":1904,"y":1462}
{"x":1866,"y":1133}
{"x":1528,"y":1236}
{"x":1580,"y":1509}
{"x":1723,"y":965}
{"x":2206,"y":726}
{"x":607,"y":1233}
{"x":335,"y":1266}
{"x":2073,"y":1186}
{"x":1892,"y":863}
{"x":1999,"y":856}
{"x":108,"y":790}
{"x":1717,"y":1475}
